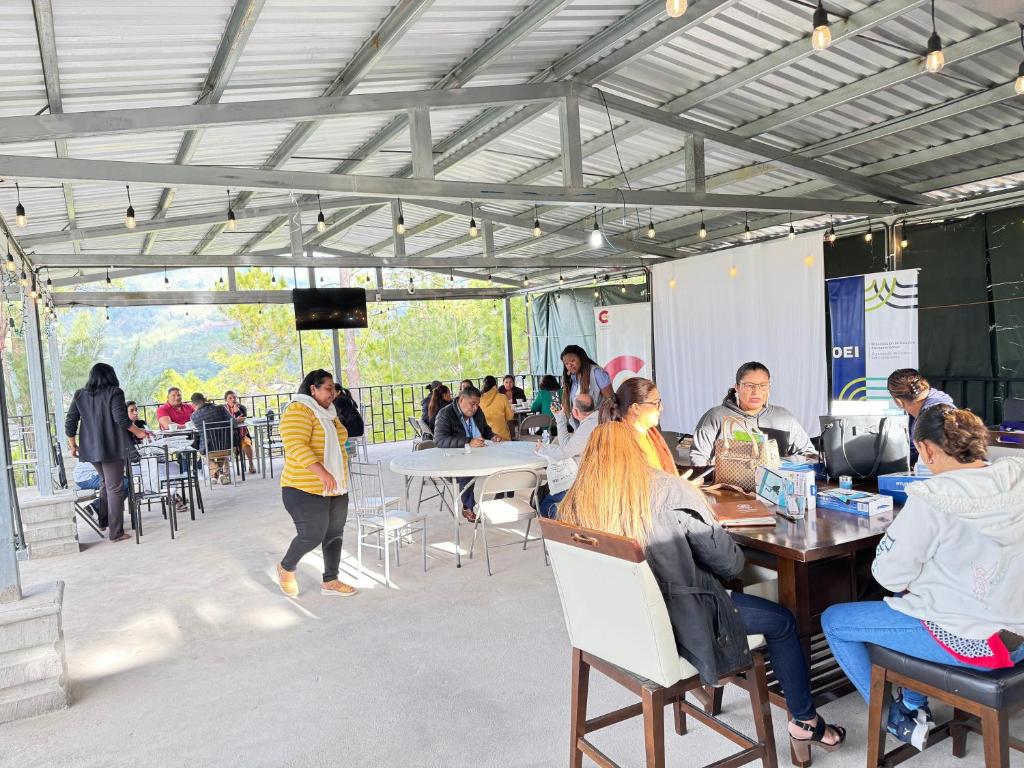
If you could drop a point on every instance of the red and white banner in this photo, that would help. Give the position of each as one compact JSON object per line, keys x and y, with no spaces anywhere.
{"x":624,"y":340}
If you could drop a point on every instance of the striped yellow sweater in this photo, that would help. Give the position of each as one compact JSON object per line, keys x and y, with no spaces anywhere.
{"x":303,"y":439}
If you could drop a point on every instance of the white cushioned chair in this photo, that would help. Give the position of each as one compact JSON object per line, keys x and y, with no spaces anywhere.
{"x":618,"y":624}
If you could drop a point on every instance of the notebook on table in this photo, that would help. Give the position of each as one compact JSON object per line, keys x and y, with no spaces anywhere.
{"x":745,"y":513}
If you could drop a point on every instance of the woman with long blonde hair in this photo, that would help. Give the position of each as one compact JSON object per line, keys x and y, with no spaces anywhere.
{"x":618,"y":491}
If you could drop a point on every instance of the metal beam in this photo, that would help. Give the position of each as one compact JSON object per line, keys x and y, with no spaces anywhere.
{"x":37,"y":395}
{"x":421,"y":142}
{"x":694,"y":153}
{"x":209,"y":114}
{"x":215,"y":298}
{"x":182,"y":222}
{"x":323,"y":257}
{"x":240,"y":25}
{"x":572,"y":152}
{"x":10,"y":577}
{"x":42,"y":10}
{"x":665,"y":119}
{"x":388,"y":187}
{"x":398,"y":21}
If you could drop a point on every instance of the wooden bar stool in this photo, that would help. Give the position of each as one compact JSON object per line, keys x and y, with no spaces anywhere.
{"x":618,"y":624}
{"x":982,"y":702}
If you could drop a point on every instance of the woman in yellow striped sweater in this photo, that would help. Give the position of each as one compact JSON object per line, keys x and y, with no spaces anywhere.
{"x":314,"y":483}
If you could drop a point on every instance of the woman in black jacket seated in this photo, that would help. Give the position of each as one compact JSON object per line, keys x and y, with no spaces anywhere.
{"x":462,"y":423}
{"x":617,"y":491}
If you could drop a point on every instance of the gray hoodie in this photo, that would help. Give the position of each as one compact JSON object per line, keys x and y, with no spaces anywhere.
{"x":771,"y":416}
{"x":957,"y":548}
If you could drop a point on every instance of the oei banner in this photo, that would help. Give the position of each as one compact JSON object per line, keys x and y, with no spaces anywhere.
{"x":624,"y":340}
{"x":874,"y":331}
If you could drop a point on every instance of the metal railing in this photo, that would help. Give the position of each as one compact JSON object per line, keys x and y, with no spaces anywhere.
{"x":386,"y":409}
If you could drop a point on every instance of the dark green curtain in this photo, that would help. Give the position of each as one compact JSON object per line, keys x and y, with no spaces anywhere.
{"x":570,"y":320}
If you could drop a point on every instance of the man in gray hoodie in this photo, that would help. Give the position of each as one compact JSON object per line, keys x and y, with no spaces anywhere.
{"x":747,"y":402}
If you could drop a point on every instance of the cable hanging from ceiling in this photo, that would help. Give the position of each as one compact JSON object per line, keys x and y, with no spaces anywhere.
{"x":129,"y":214}
{"x":232,"y":224}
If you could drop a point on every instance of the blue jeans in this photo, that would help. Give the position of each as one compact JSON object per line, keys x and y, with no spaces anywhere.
{"x":851,"y":626}
{"x":93,"y":484}
{"x":548,"y":507}
{"x":778,"y":625}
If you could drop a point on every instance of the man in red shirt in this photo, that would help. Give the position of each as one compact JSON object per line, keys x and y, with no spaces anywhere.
{"x":174,"y":411}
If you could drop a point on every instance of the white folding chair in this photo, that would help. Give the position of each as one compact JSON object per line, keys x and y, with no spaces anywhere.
{"x":508,"y":510}
{"x":377,"y":520}
{"x":618,"y":624}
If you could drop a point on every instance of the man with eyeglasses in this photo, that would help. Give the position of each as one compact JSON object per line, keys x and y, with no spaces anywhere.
{"x":748,"y":400}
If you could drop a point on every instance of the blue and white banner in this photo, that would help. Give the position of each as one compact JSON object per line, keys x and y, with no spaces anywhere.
{"x":874,"y":331}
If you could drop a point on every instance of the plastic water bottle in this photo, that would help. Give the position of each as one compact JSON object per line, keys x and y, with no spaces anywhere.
{"x":545,"y":437}
{"x":467,"y":448}
{"x":783,"y":500}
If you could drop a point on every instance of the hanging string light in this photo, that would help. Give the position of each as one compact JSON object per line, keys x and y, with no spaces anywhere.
{"x":747,"y":234}
{"x":595,"y":235}
{"x":33,"y":292}
{"x":412,"y":287}
{"x":792,"y":232}
{"x":830,"y":236}
{"x":24,"y":279}
{"x":935,"y":59}
{"x":129,"y":214}
{"x":107,"y":273}
{"x":651,"y":232}
{"x":399,"y":225}
{"x":703,"y":232}
{"x":19,"y":212}
{"x":167,"y":282}
{"x":868,"y":236}
{"x":536,"y":221}
{"x":821,"y":36}
{"x":473,"y":231}
{"x":232,"y":225}
{"x":106,"y":313}
{"x":1018,"y":85}
{"x":676,"y":8}
{"x":11,"y":266}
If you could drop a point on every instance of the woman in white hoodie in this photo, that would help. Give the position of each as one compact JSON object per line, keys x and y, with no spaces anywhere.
{"x":953,"y":558}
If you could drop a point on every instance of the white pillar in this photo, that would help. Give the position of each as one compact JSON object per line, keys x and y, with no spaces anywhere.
{"x":37,"y":396}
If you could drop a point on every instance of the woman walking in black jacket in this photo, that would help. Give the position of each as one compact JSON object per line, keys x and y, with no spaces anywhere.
{"x":617,"y":491}
{"x":97,"y":428}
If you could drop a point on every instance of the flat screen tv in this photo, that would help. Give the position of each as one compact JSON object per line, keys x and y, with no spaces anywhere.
{"x":324,"y":308}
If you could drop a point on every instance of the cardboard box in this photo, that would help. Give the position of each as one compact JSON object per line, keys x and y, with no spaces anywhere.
{"x":855,"y":502}
{"x":896,"y":483}
{"x":768,"y":480}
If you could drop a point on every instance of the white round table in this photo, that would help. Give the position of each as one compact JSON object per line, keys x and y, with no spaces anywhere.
{"x":449,"y":464}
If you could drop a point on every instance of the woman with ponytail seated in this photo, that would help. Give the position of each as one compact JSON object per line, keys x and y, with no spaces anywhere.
{"x":954,"y":556}
{"x":637,"y":403}
{"x":620,"y":490}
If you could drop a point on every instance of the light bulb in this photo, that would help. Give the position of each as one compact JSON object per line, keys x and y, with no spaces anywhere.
{"x":732,"y":271}
{"x":232,"y":224}
{"x":412,"y":287}
{"x":935,"y":59}
{"x":273,"y":279}
{"x":747,"y":234}
{"x":536,"y":228}
{"x":561,"y":279}
{"x":703,"y":232}
{"x":831,"y":236}
{"x":558,"y":296}
{"x":11,"y":266}
{"x":595,"y":236}
{"x":675,"y":8}
{"x":622,"y":289}
{"x":526,"y":282}
{"x":24,"y":279}
{"x":868,"y":237}
{"x":672,"y":283}
{"x":651,"y":232}
{"x":129,"y":217}
{"x":19,"y":215}
{"x":399,"y":227}
{"x":792,"y":232}
{"x":597,"y":294}
{"x":808,"y":260}
{"x":821,"y":37}
{"x":904,"y":243}
{"x":473,"y":231}
{"x":1018,"y":85}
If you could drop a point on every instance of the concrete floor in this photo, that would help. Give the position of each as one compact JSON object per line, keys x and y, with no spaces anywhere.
{"x":185,"y":653}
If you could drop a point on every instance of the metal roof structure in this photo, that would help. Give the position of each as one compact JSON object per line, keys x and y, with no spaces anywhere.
{"x":542,"y":109}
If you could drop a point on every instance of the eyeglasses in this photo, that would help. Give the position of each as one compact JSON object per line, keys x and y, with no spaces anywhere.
{"x":751,"y":387}
{"x":655,"y":403}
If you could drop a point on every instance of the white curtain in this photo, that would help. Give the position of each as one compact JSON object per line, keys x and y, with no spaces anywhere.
{"x":708,"y":321}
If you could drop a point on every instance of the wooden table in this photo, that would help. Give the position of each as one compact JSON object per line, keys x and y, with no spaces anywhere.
{"x":821,"y":560}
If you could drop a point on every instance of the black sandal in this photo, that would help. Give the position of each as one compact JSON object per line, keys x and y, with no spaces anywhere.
{"x":800,"y":749}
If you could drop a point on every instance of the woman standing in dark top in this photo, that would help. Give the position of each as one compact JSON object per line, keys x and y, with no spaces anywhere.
{"x":98,"y":416}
